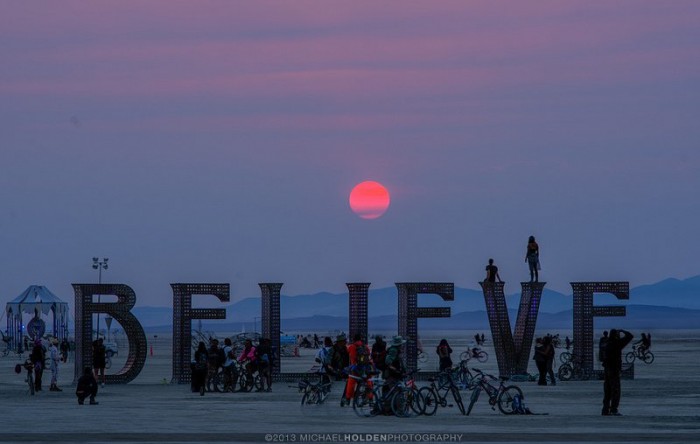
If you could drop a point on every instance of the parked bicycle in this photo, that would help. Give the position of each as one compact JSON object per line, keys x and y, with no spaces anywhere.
{"x":374,"y":400}
{"x":437,"y":392}
{"x":502,"y":396}
{"x":640,"y":353}
{"x":314,"y":392}
{"x":463,"y":377}
{"x":573,"y":369}
{"x":476,"y":354}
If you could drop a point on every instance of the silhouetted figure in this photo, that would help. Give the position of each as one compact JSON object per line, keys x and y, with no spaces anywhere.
{"x":602,"y":346}
{"x":541,"y":361}
{"x":263,"y":356}
{"x":645,"y":343}
{"x":379,"y":353}
{"x":200,"y":369}
{"x":483,"y":339}
{"x":65,"y":348}
{"x":444,"y":352}
{"x":532,"y":257}
{"x":613,"y":367}
{"x":492,"y":272}
{"x":99,"y":359}
{"x":37,"y":359}
{"x":549,"y":354}
{"x":567,"y":341}
{"x":87,"y":387}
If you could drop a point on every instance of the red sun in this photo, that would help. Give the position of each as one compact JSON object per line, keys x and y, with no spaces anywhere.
{"x":369,"y":199}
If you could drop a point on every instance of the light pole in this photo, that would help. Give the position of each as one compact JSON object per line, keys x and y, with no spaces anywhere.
{"x":99,"y":264}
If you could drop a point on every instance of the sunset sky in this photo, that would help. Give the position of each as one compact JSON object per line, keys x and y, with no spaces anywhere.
{"x":218,"y":141}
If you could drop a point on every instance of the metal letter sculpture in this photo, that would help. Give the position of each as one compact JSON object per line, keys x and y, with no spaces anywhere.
{"x":409,"y":312}
{"x":183,"y":313}
{"x":358,"y":309}
{"x":270,"y":319}
{"x":585,"y":311}
{"x":512,"y":352}
{"x":120,"y":311}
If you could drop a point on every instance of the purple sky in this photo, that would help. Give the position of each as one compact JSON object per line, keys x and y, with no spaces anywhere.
{"x":219,"y":141}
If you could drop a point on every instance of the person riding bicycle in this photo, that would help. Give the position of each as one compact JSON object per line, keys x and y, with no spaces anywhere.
{"x":263,"y":356}
{"x":247,"y":357}
{"x":324,"y":357}
{"x":395,"y":365}
{"x":230,"y":370}
{"x":644,"y":344}
{"x":360,"y":365}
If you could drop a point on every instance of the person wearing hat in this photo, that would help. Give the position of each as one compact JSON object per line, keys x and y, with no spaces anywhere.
{"x":55,"y":357}
{"x":395,"y":368}
{"x":341,"y":357}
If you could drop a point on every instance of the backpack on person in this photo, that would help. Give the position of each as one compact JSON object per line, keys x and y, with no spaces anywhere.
{"x":362,"y":356}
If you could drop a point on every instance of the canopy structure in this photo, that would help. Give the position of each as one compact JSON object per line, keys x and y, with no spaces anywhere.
{"x":36,"y":300}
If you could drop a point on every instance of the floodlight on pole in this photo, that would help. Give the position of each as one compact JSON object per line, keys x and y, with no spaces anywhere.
{"x":99,"y":265}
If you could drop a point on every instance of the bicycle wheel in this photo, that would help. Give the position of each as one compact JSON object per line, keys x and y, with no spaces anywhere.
{"x":506,"y":398}
{"x":108,"y":362}
{"x":565,"y":357}
{"x":416,"y":402}
{"x":473,"y":398}
{"x":311,"y":399}
{"x":258,"y":381}
{"x":364,"y":402}
{"x":245,"y":382}
{"x":482,"y":356}
{"x":215,"y":383}
{"x":648,"y":357}
{"x":399,"y":404}
{"x":430,"y":401}
{"x":630,"y":357}
{"x":458,"y":399}
{"x":565,"y":372}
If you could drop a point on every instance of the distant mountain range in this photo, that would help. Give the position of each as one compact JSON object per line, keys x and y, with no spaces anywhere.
{"x":671,"y":303}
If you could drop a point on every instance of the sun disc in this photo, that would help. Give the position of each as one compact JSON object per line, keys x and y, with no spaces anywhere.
{"x":369,"y":199}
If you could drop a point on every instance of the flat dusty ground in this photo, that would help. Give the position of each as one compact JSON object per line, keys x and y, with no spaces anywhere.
{"x":662,"y":404}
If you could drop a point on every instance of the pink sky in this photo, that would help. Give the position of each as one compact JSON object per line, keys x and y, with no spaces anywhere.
{"x":574,"y":121}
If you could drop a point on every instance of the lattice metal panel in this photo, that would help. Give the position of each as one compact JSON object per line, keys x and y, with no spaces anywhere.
{"x":499,"y":321}
{"x":121,"y":312}
{"x":183,"y":313}
{"x":526,"y":322}
{"x":584,"y":312}
{"x":358,"y":292}
{"x":270,"y":318}
{"x":409,"y":312}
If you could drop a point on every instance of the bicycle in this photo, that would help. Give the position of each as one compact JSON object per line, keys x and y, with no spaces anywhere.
{"x":246,"y":381}
{"x":408,"y":401}
{"x":315,"y":393}
{"x":370,"y":401}
{"x":463,"y":377}
{"x":640,"y":353}
{"x":433,"y":398}
{"x":477,"y":354}
{"x":502,"y":396}
{"x":573,"y":369}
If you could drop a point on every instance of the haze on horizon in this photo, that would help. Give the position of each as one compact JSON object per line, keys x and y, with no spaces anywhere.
{"x":216,"y":141}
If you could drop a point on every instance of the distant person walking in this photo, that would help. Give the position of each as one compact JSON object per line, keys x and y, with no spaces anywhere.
{"x":492,"y":272}
{"x":65,"y":348}
{"x":532,"y":257}
{"x":37,"y":359}
{"x":540,"y":359}
{"x":613,"y":367}
{"x":444,"y":352}
{"x":99,"y":359}
{"x":549,"y":354}
{"x":54,"y":359}
{"x":200,"y":369}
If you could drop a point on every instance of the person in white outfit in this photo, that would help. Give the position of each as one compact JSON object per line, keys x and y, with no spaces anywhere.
{"x":54,"y":356}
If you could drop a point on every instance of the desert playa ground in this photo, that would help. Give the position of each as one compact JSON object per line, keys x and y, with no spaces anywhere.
{"x":662,"y":404}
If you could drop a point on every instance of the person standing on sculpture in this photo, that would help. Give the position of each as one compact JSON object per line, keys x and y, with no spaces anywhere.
{"x":612,"y":364}
{"x":492,"y":272}
{"x":532,"y":257}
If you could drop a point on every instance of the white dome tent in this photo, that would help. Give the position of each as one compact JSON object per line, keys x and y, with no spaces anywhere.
{"x":36,"y":300}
